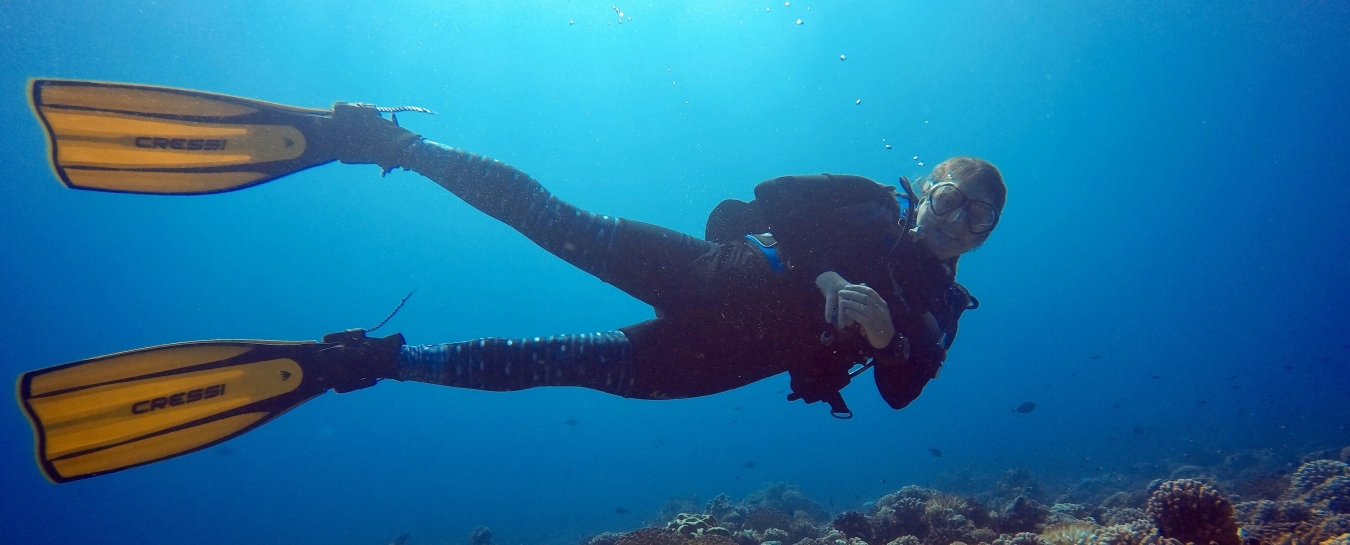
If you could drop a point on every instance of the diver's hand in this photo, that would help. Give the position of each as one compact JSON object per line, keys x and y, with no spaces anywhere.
{"x":847,"y":303}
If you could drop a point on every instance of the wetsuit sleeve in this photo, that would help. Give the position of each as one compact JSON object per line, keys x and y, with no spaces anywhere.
{"x":900,"y":381}
{"x":906,"y":366}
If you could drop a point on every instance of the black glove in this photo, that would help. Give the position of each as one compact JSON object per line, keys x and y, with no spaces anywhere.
{"x":356,"y":361}
{"x":362,"y":136}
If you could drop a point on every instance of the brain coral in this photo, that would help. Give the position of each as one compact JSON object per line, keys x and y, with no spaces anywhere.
{"x":1191,"y":512}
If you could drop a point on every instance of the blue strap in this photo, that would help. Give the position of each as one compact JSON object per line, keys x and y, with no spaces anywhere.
{"x":770,"y":253}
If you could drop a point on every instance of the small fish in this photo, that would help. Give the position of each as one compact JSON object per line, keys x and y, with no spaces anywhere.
{"x":750,"y":464}
{"x":935,"y":452}
{"x":736,"y":408}
{"x":1324,"y":360}
{"x":400,"y":540}
{"x":1095,"y":357}
{"x":1154,"y":377}
{"x":658,"y":444}
{"x":1025,"y":408}
{"x":831,"y":501}
{"x":1289,"y":367}
{"x":883,"y":481}
{"x":1138,"y":430}
{"x":224,"y":451}
{"x":1116,"y":406}
{"x":1345,"y":347}
{"x":1237,"y":387}
{"x":1232,"y":377}
{"x":621,"y":510}
{"x":1201,"y":402}
{"x":1242,"y":411}
{"x":571,"y":422}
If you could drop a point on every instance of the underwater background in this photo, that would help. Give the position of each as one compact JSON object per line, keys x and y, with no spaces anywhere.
{"x":1168,"y":284}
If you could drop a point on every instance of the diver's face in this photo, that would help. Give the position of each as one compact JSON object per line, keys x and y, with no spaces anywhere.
{"x":955,"y":216}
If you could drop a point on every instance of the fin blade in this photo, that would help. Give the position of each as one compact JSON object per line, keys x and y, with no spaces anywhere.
{"x":115,"y":412}
{"x":160,"y":140}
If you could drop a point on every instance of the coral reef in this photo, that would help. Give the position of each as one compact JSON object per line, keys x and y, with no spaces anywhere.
{"x":1268,"y":502}
{"x":605,"y":538}
{"x":1022,"y":538}
{"x":693,"y":525}
{"x":1192,"y":512}
{"x":1022,"y":515}
{"x":481,"y":535}
{"x":650,"y":536}
{"x":1068,"y":533}
{"x":854,"y":524}
{"x":1313,"y":474}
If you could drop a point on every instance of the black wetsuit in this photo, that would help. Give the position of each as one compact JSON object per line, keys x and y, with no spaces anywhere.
{"x":726,"y":318}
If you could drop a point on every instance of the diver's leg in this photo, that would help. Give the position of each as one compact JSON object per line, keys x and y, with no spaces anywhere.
{"x":643,"y":260}
{"x":599,"y":361}
{"x":656,"y":359}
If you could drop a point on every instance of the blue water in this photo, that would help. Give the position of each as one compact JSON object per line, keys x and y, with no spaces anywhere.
{"x":1176,"y":227}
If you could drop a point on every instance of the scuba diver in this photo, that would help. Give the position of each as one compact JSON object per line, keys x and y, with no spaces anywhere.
{"x":820,"y":276}
{"x":817,"y":275}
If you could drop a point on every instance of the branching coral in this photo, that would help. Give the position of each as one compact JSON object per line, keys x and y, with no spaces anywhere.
{"x":1135,"y":532}
{"x":604,"y":539}
{"x":1190,"y":511}
{"x":1021,"y":538}
{"x":760,"y":519}
{"x":1022,"y":515}
{"x":1061,"y":513}
{"x":1313,"y":474}
{"x":649,"y":536}
{"x":721,"y":508}
{"x":712,"y":539}
{"x":1332,"y":495}
{"x":786,"y":498}
{"x":901,"y":517}
{"x":854,"y":524}
{"x":944,"y":502}
{"x":1123,"y":515}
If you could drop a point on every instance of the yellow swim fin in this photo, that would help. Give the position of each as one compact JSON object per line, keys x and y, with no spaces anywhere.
{"x":110,"y":413}
{"x":159,"y":140}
